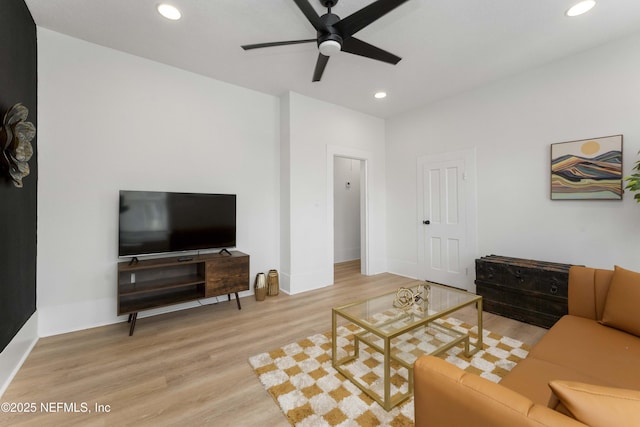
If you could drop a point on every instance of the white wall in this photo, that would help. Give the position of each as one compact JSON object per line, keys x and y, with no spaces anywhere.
{"x":316,"y":131}
{"x":346,"y":209}
{"x":111,"y":121}
{"x":511,"y":124}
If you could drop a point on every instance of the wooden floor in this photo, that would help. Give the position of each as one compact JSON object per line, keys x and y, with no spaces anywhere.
{"x":190,"y":367}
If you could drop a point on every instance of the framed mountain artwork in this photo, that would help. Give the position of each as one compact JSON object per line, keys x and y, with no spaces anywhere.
{"x":588,"y":169}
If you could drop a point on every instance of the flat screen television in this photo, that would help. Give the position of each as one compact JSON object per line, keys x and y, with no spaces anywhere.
{"x":153,"y":222}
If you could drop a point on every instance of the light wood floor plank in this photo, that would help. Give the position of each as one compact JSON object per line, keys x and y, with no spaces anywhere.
{"x":190,"y":367}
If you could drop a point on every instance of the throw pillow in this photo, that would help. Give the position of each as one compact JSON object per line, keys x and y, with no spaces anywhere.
{"x":623,"y":300}
{"x":599,"y":406}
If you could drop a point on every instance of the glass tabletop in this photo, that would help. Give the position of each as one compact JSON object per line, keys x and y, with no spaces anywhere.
{"x":396,"y":312}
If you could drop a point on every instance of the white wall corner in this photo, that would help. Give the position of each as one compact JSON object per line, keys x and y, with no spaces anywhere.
{"x":17,"y":351}
{"x":309,"y":281}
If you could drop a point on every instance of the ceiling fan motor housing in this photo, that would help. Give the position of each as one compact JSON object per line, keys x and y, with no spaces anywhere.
{"x":333,"y":35}
{"x":328,"y":3}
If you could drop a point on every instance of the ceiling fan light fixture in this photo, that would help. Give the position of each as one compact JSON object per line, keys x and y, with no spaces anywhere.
{"x":329,"y":47}
{"x":580,"y":8}
{"x":169,"y":12}
{"x":334,"y":34}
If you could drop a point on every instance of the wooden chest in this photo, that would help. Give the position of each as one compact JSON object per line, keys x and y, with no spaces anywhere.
{"x":534,"y":292}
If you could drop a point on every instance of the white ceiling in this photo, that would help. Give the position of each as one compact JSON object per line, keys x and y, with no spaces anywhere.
{"x":447,"y":46}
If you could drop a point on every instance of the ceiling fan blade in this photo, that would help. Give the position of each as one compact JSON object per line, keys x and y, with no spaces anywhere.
{"x":320,"y":64}
{"x":259,"y":45}
{"x":358,"y":47}
{"x":365,"y":16}
{"x":311,"y":15}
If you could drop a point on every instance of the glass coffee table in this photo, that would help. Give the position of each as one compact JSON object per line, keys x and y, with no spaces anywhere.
{"x":397,"y":328}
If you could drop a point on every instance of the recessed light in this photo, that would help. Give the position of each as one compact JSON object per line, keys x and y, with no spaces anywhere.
{"x":580,"y":8}
{"x":380,"y":95}
{"x":169,"y":12}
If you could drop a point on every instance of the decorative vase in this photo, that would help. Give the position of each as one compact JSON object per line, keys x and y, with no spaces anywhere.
{"x":260,"y":287}
{"x":273,"y":283}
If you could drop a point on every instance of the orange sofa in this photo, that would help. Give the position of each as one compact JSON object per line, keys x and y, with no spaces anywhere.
{"x":584,"y":371}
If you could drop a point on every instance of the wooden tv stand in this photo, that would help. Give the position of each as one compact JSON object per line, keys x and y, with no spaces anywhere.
{"x":160,"y":282}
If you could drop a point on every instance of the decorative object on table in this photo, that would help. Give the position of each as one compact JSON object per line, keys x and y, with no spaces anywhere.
{"x":588,"y":169}
{"x":273,"y":283}
{"x":260,"y":287}
{"x":309,"y":391}
{"x":633,"y":181}
{"x":406,"y":298}
{"x":15,"y":144}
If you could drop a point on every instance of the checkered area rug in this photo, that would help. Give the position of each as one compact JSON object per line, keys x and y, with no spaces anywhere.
{"x":311,"y":393}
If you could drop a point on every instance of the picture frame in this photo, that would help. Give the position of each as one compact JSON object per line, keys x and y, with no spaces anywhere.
{"x":587,"y":169}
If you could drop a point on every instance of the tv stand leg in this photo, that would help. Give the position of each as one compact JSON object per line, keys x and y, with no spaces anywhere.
{"x":132,"y":319}
{"x":237,"y":300}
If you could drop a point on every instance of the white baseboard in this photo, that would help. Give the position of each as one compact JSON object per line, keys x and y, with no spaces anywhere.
{"x":303,"y":282}
{"x":61,"y":319}
{"x":16,"y":352}
{"x":403,"y":268}
{"x":344,"y":255}
{"x":285,"y":282}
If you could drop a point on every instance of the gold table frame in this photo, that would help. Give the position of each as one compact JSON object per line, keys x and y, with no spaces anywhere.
{"x":385,"y":331}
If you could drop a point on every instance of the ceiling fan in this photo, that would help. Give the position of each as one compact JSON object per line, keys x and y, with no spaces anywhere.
{"x":335,"y":34}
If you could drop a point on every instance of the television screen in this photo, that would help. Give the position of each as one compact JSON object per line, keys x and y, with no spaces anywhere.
{"x":158,"y":222}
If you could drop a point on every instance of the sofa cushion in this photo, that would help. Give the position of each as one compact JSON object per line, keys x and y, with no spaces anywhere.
{"x":602,"y":282}
{"x":623,"y":300}
{"x":588,"y":289}
{"x":582,"y":302}
{"x":599,"y":406}
{"x":586,"y":346}
{"x":531,"y":378}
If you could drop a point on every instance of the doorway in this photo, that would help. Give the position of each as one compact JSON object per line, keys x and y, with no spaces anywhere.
{"x":447,"y":227}
{"x":346,"y":209}
{"x":358,"y":160}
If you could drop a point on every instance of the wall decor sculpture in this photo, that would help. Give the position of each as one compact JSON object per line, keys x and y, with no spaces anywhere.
{"x":588,"y":169}
{"x":15,"y":144}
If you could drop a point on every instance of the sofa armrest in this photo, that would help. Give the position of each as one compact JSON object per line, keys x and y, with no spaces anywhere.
{"x":445,"y":395}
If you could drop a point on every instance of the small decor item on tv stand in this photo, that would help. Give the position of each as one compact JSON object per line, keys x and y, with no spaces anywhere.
{"x":273,"y":283}
{"x":260,"y":287}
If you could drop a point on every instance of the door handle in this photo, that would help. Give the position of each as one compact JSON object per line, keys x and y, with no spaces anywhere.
{"x":426,"y":222}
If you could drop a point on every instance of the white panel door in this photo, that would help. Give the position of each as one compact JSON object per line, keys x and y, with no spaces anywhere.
{"x":443,"y":227}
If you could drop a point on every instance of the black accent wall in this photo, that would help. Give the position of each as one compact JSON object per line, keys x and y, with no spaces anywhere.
{"x":18,"y":206}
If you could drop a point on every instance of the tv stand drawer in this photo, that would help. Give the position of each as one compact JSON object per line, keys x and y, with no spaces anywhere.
{"x":227,"y":274}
